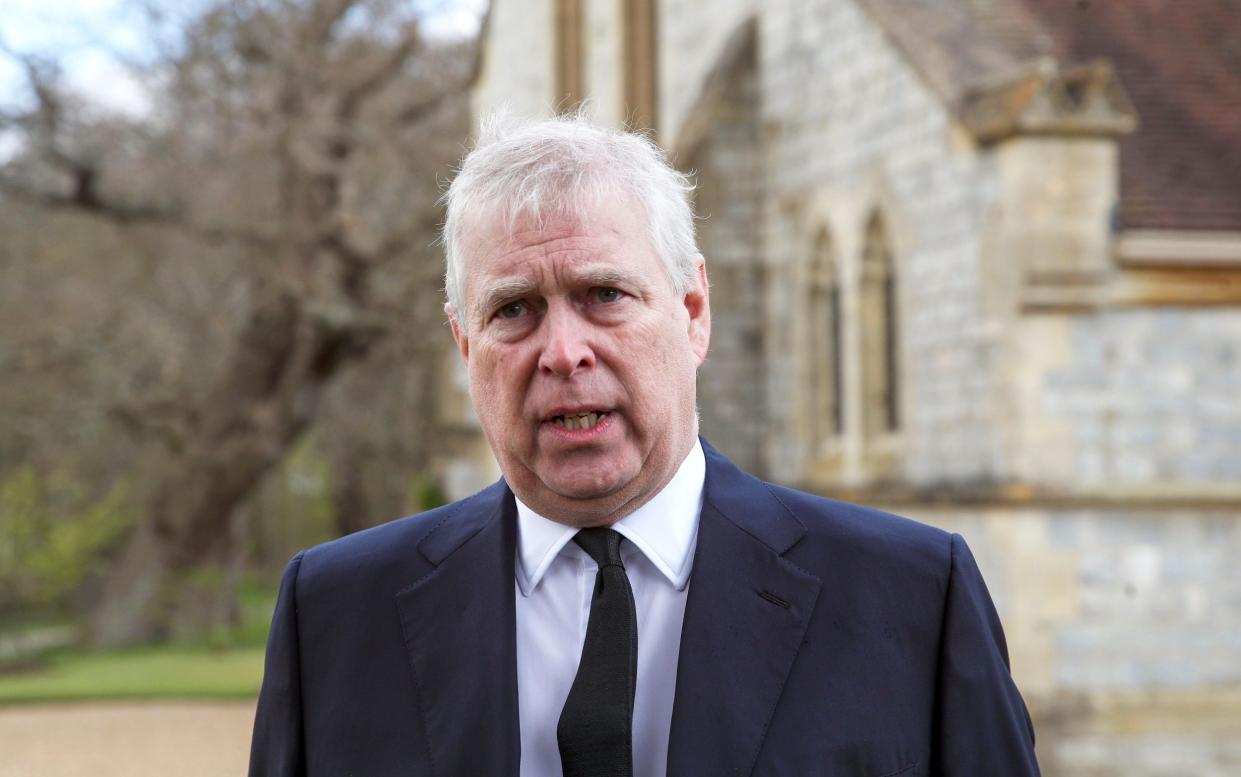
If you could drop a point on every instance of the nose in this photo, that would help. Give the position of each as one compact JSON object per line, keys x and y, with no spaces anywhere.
{"x":566,"y":349}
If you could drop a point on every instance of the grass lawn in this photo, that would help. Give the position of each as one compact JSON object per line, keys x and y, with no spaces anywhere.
{"x":232,"y":668}
{"x":154,"y":673}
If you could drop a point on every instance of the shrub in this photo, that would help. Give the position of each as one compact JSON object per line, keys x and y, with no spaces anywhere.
{"x":52,"y":535}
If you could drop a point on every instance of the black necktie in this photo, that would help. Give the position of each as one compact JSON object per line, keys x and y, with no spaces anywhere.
{"x":595,"y":732}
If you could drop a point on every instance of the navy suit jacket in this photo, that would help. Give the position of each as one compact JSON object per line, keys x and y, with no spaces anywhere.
{"x":820,"y":638}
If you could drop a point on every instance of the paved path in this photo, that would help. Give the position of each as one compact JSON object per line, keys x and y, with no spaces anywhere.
{"x":138,"y":739}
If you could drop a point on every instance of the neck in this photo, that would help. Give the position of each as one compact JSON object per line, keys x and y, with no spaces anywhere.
{"x":605,"y":510}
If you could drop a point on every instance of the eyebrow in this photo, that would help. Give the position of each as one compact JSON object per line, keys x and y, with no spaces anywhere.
{"x":504,"y":291}
{"x":607,"y":276}
{"x":516,"y":288}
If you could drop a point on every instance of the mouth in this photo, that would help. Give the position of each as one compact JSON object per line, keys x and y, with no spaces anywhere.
{"x":579,"y":421}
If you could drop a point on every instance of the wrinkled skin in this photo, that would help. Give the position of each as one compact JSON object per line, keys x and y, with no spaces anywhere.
{"x":580,"y":316}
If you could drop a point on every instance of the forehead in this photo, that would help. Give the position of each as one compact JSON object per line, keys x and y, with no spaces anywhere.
{"x":558,"y":243}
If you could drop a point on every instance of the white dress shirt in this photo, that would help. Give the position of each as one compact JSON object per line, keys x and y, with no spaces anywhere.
{"x":555,"y":580}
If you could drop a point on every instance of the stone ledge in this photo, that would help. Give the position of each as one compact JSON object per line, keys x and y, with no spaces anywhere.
{"x":1199,"y":710}
{"x":1135,"y":287}
{"x":1164,"y":496}
{"x":1178,"y":249}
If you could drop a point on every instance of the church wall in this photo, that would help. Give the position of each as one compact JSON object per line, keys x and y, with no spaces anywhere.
{"x":851,"y":128}
{"x":690,"y":43}
{"x":1130,"y":400}
{"x":1122,"y":629}
{"x":603,"y":61}
{"x":517,"y":69}
{"x":728,"y":172}
{"x":1059,"y":194}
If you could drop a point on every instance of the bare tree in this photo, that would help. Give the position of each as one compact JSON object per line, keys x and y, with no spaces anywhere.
{"x":291,"y":136}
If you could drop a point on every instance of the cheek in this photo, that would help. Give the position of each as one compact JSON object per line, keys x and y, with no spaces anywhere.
{"x":663,"y":368}
{"x":668,"y":351}
{"x":497,"y":384}
{"x":482,"y":380}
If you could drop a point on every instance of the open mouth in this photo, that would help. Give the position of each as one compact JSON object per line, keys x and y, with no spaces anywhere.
{"x":583,"y":421}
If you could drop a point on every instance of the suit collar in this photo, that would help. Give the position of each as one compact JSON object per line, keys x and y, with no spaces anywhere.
{"x":458,"y":526}
{"x":745,"y":619}
{"x":663,"y":529}
{"x":459,"y":627}
{"x":746,"y":615}
{"x":750,"y":504}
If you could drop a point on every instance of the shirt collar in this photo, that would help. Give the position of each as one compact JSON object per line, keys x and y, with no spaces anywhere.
{"x":664,"y":529}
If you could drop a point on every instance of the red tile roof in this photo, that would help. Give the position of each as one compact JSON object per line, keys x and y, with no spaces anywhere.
{"x":1180,"y":62}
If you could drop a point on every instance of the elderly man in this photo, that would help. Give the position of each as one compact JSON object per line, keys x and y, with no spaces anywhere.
{"x":624,"y":601}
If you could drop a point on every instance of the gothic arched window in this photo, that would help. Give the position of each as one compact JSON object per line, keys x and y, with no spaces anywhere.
{"x":825,"y":343}
{"x":881,"y":410}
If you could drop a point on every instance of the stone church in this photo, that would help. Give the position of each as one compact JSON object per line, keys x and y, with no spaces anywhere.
{"x":977,"y":262}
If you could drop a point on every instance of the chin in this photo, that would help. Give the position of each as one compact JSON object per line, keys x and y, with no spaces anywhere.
{"x":582,"y":491}
{"x":584,"y":486}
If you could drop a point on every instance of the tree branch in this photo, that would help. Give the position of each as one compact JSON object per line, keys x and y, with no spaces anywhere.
{"x":378,"y":76}
{"x":85,"y":200}
{"x":419,"y":110}
{"x":164,"y":420}
{"x":325,"y":15}
{"x":351,"y":255}
{"x":412,"y":114}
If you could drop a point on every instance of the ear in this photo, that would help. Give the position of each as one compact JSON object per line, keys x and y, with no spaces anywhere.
{"x":463,"y":342}
{"x":698,"y":305}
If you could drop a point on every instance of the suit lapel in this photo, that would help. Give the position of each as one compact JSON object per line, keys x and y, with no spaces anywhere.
{"x":459,"y":627}
{"x":745,"y":619}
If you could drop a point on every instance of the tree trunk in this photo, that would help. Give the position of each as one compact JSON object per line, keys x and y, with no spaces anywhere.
{"x":148,"y":599}
{"x":351,"y":501}
{"x":132,"y":606}
{"x":176,"y":558}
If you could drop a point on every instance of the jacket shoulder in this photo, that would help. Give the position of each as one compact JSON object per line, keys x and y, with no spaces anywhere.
{"x":871,"y":538}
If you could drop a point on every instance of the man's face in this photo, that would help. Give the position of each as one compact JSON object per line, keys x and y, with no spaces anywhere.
{"x":582,"y":360}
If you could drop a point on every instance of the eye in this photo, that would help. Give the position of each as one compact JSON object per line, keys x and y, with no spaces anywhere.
{"x":607,"y":294}
{"x":511,"y":310}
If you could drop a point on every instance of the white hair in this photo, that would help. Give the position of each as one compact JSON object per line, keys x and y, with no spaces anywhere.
{"x":564,"y":166}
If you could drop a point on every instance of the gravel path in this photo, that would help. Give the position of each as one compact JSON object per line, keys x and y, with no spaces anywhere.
{"x":139,"y":739}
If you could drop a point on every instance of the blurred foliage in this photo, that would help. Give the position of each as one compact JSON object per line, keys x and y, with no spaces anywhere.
{"x":292,"y":510}
{"x":426,"y":493}
{"x":52,"y":536}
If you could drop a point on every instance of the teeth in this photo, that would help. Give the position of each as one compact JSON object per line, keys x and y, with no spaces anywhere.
{"x":578,"y":420}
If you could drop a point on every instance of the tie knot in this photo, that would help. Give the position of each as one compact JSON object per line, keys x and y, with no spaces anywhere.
{"x":601,"y":544}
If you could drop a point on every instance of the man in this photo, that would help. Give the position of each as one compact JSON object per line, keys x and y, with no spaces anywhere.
{"x":624,"y":601}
